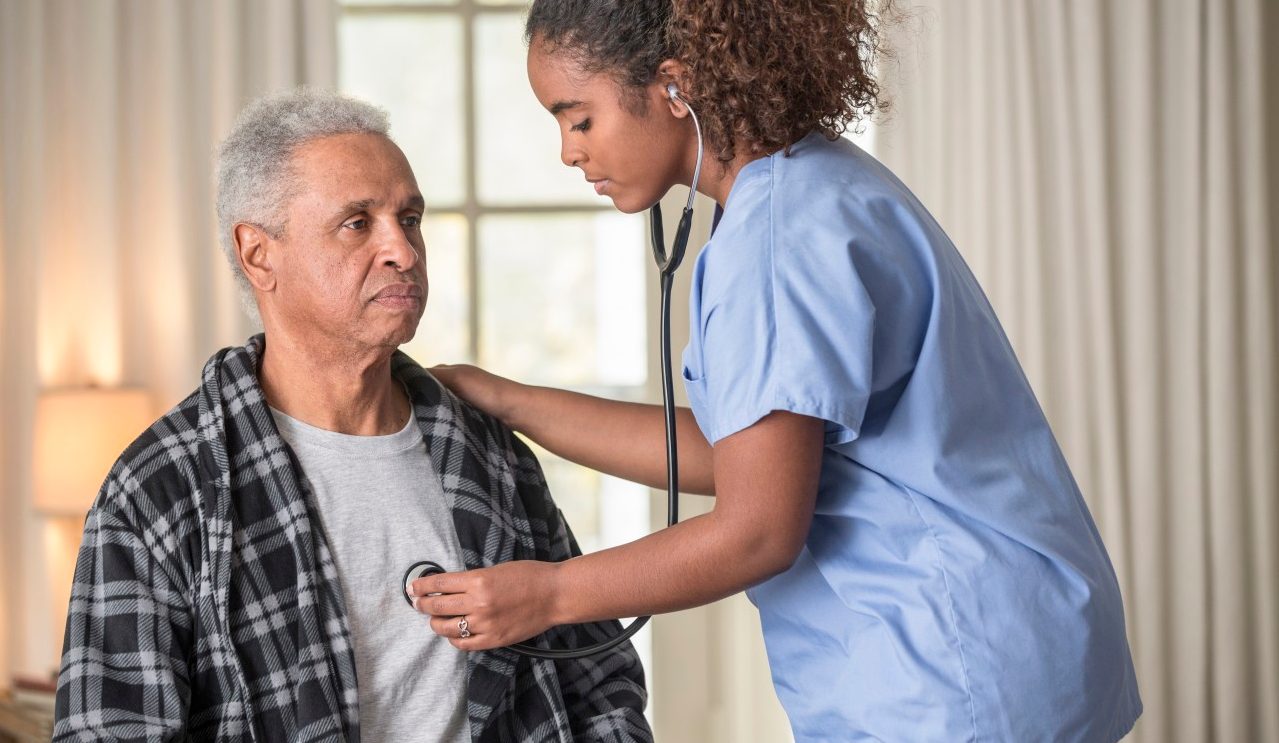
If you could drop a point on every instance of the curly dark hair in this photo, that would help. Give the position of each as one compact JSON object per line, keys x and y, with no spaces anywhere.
{"x":763,"y":73}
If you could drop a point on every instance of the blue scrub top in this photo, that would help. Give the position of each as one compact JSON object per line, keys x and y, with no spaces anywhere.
{"x":953,"y":586}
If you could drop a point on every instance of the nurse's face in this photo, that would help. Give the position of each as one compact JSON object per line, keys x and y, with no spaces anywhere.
{"x":631,"y":154}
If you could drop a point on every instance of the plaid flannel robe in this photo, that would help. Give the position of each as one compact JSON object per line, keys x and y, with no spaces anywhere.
{"x":206,"y":605}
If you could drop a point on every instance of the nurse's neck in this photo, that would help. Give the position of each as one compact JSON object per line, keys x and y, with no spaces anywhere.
{"x":717,"y":178}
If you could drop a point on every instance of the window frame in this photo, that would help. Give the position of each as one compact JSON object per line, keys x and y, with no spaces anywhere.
{"x":471,"y":209}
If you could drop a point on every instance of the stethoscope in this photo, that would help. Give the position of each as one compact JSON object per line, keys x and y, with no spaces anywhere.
{"x":666,"y":265}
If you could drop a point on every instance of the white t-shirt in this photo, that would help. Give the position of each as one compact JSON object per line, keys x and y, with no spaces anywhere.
{"x":383,"y":508}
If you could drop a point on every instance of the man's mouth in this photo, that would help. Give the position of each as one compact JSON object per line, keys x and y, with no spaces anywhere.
{"x":401,"y":295}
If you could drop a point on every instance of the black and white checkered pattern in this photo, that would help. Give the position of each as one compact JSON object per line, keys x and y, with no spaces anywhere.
{"x":206,"y":604}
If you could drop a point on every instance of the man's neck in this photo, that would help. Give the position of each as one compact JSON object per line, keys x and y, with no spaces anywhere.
{"x":349,"y":392}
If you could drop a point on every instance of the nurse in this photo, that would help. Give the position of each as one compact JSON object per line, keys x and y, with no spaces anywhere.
{"x":888,"y":491}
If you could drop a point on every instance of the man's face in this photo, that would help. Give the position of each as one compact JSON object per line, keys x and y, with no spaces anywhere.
{"x":351,"y":268}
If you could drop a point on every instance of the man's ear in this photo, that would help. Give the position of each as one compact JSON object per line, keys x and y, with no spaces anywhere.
{"x":672,"y":72}
{"x":254,"y":249}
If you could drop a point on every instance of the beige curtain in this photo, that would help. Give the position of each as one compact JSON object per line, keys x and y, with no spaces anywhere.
{"x":1103,"y":167}
{"x":109,"y":115}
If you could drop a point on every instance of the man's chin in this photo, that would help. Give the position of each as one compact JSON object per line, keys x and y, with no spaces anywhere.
{"x":401,"y":336}
{"x":387,"y":335}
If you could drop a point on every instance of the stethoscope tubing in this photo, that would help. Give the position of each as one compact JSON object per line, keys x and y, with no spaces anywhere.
{"x":672,"y":489}
{"x":667,"y":263}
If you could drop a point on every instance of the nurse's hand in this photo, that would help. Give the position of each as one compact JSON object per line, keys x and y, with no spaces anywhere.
{"x":486,"y":391}
{"x":502,"y":605}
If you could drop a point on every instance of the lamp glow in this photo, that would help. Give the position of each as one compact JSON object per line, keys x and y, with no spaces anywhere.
{"x":79,"y":435}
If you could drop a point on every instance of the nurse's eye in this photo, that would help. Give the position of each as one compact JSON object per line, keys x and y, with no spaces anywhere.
{"x":581,"y":126}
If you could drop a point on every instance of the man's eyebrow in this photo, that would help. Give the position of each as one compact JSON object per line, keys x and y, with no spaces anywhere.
{"x":416,"y":202}
{"x":561,"y":106}
{"x":353,"y":206}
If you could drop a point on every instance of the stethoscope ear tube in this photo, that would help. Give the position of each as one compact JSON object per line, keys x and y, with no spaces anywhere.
{"x":667,"y":269}
{"x":666,"y":265}
{"x":658,"y":235}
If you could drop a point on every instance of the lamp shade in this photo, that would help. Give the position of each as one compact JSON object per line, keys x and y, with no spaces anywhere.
{"x":79,"y":435}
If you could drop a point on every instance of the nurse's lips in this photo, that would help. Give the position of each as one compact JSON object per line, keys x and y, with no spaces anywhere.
{"x":600,"y":184}
{"x":400,"y":296}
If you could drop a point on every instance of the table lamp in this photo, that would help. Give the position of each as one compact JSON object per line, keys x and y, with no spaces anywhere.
{"x":79,"y":434}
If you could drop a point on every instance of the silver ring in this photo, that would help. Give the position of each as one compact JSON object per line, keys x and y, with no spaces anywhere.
{"x":462,"y":630}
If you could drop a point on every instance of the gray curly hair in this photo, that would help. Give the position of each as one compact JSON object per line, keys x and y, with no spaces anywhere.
{"x":254,"y":180}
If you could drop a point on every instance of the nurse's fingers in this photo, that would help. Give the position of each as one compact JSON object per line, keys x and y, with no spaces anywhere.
{"x":446,"y":605}
{"x":453,"y":627}
{"x":440,"y":583}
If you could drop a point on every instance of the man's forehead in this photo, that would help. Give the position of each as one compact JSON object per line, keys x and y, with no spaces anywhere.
{"x":351,"y":152}
{"x":354,"y":167}
{"x":348,"y":140}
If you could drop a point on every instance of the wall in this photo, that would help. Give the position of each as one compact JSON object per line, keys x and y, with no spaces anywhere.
{"x":109,"y":116}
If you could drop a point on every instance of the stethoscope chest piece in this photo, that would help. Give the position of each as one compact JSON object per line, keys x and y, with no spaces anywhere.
{"x":419,"y":569}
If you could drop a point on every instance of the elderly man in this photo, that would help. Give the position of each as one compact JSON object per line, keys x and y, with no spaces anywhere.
{"x":244,"y":562}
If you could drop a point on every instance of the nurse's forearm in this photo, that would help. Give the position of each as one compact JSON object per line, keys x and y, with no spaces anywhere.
{"x":690,"y":564}
{"x":623,"y":439}
{"x":767,"y":481}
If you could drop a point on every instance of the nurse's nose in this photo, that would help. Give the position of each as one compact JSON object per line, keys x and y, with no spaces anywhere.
{"x":571,"y":155}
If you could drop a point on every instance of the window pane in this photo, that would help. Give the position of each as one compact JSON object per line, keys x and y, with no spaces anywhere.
{"x":576,"y":491}
{"x":603,"y":511}
{"x":444,"y":334}
{"x":409,"y":64}
{"x":518,"y":141}
{"x":563,"y":298}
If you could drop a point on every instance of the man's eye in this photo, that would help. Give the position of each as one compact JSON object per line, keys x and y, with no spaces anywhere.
{"x":411,"y":221}
{"x":581,"y":126}
{"x":356,"y":224}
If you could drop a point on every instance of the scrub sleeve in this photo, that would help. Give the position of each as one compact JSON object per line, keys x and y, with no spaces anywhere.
{"x":780,"y":334}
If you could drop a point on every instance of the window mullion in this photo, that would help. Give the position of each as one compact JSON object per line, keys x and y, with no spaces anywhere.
{"x":472,"y":207}
{"x":471,"y":157}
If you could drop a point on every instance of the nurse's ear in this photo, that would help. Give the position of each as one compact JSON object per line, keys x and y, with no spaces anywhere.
{"x":670,"y":77}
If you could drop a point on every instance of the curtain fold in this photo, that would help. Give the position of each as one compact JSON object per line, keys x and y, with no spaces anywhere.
{"x":1103,"y":168}
{"x":109,"y":116}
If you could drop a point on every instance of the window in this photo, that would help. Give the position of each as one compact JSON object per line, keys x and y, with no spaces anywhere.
{"x":532,"y":275}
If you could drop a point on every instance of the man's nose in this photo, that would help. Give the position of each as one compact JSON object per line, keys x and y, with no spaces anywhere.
{"x":398,"y":251}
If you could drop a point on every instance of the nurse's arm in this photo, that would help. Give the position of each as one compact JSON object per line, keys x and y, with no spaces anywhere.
{"x":623,"y":439}
{"x":766,"y":484}
{"x":766,"y":480}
